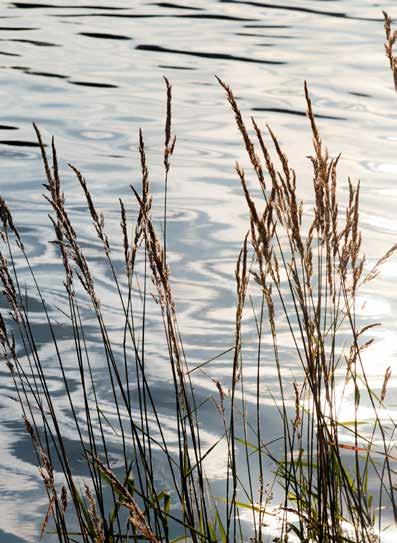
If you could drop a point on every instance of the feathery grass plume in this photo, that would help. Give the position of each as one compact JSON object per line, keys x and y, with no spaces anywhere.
{"x":135,"y":481}
{"x":389,"y":45}
{"x":374,"y":272}
{"x":97,"y":218}
{"x":242,"y":283}
{"x":169,"y":146}
{"x":96,"y":523}
{"x":321,"y":260}
{"x":386,"y":380}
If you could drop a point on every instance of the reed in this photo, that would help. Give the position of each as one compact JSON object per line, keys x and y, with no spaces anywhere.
{"x":300,"y":268}
{"x":389,"y":45}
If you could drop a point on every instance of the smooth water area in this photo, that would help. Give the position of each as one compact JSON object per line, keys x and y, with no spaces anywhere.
{"x":90,"y":73}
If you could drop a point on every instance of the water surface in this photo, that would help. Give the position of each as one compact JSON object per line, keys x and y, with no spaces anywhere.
{"x":90,"y":73}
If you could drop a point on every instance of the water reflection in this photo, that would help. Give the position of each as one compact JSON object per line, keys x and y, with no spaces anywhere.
{"x":103,"y":81}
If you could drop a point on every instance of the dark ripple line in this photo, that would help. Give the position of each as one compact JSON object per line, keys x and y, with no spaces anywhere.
{"x":25,"y":5}
{"x":213,"y":16}
{"x":210,"y":16}
{"x":17,"y":28}
{"x":252,"y":35}
{"x":19,"y":143}
{"x":45,"y":74}
{"x":104,"y":36}
{"x":360,"y":94}
{"x":298,"y":113}
{"x":222,"y":56}
{"x":9,"y":54}
{"x":170,"y":67}
{"x":33,"y":42}
{"x":175,"y":6}
{"x":337,"y":14}
{"x":8,"y":127}
{"x":96,"y":85}
{"x":267,"y":26}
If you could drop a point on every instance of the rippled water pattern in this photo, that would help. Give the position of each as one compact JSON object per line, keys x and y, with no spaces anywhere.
{"x":90,"y":72}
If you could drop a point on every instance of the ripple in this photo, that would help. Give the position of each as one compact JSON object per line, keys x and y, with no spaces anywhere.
{"x":25,"y":5}
{"x":96,"y":130}
{"x":204,"y":16}
{"x":45,"y":74}
{"x":94,"y":84}
{"x":337,"y":14}
{"x":17,"y":28}
{"x":33,"y":42}
{"x":175,"y":6}
{"x":199,"y":54}
{"x":298,"y":113}
{"x":19,"y":143}
{"x":170,"y":67}
{"x":5,"y":53}
{"x":105,"y":36}
{"x":360,"y":94}
{"x":252,"y":35}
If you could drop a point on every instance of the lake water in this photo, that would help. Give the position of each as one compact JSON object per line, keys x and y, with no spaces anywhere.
{"x":90,"y":73}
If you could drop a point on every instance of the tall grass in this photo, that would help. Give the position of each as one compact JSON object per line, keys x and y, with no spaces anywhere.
{"x":389,"y":46}
{"x":297,"y":277}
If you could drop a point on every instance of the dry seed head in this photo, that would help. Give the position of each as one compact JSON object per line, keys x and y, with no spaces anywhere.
{"x":97,"y":218}
{"x":242,"y":283}
{"x":297,"y":419}
{"x":136,"y":517}
{"x":244,"y":132}
{"x":29,"y":429}
{"x":9,"y":288}
{"x":390,"y":41}
{"x":99,"y":536}
{"x":375,"y":270}
{"x":123,"y":224}
{"x":8,"y":223}
{"x":168,"y":144}
{"x":64,"y":498}
{"x":385,"y":382}
{"x":220,"y":390}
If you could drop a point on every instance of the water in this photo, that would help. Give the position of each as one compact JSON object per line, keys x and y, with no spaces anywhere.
{"x":91,"y":74}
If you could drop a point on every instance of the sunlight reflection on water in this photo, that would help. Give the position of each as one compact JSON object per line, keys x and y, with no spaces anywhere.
{"x":94,"y":91}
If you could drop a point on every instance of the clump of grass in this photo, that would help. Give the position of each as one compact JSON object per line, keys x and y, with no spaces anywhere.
{"x":389,"y":45}
{"x":301,"y":268}
{"x":309,"y":266}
